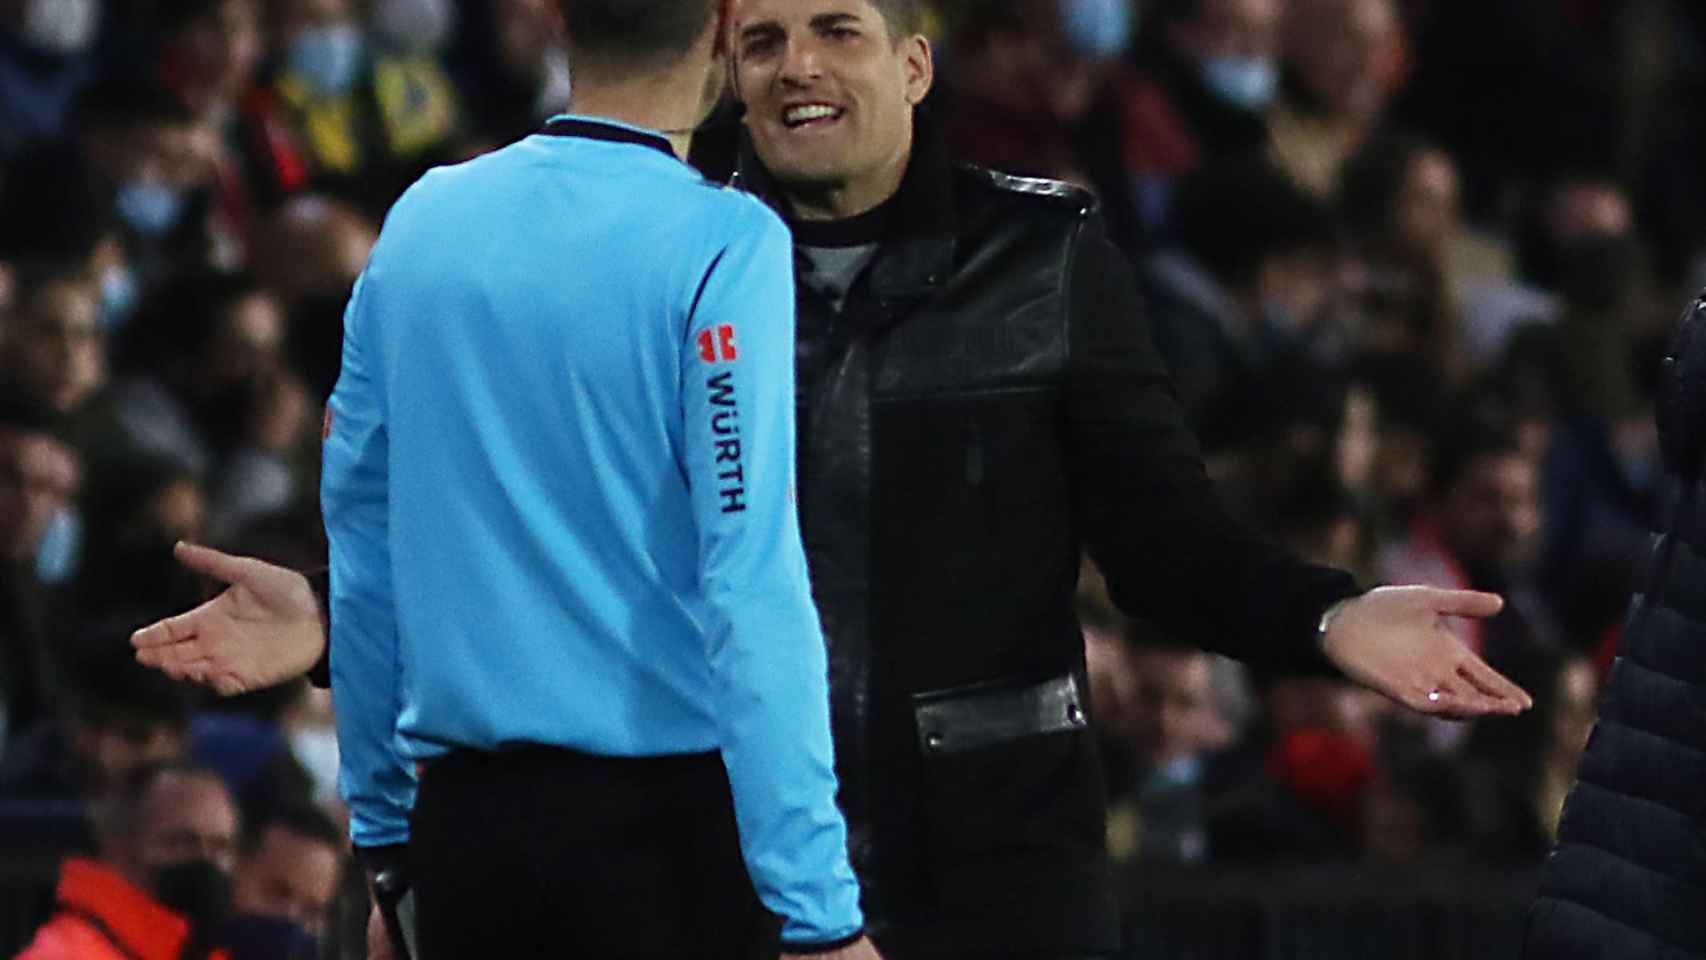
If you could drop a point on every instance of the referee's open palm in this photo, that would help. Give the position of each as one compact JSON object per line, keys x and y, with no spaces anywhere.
{"x":261,"y":630}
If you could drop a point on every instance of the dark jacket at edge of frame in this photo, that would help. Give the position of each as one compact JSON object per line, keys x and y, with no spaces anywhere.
{"x":1627,"y":876}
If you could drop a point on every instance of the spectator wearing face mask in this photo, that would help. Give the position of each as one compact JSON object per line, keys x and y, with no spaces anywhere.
{"x":1208,"y":76}
{"x":162,"y":882}
{"x":355,"y":111}
{"x":44,"y":62}
{"x":1343,"y":61}
{"x":39,"y":476}
{"x":287,"y":875}
{"x":138,"y":174}
{"x":54,"y":209}
{"x":1024,"y":74}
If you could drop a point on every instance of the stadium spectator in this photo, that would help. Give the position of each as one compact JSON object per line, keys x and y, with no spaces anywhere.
{"x":288,"y":868}
{"x":1177,"y":719}
{"x":344,"y":114}
{"x":510,"y":59}
{"x":1398,"y":195}
{"x":1025,"y":72}
{"x":44,"y":63}
{"x":206,"y":383}
{"x":209,"y":52}
{"x":56,"y":349}
{"x":39,"y":478}
{"x":1210,"y":72}
{"x":162,"y":883}
{"x":1516,"y":777}
{"x":1342,"y":61}
{"x":112,"y":718}
{"x":1244,"y":287}
{"x":1480,"y":526}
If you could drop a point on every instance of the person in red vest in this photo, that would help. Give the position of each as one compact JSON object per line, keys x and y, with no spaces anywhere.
{"x":163,"y":880}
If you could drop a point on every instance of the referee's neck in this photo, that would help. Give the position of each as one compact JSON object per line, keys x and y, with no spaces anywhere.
{"x":671,"y":103}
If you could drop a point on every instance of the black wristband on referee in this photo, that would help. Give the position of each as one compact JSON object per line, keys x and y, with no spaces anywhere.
{"x":392,"y":856}
{"x":320,"y":581}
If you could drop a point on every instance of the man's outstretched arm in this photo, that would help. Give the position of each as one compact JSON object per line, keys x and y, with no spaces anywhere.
{"x":1171,"y":553}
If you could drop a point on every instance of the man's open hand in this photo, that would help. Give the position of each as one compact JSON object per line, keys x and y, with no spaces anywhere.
{"x":1396,"y":640}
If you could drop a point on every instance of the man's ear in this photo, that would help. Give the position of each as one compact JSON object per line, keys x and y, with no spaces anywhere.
{"x":920,"y":68}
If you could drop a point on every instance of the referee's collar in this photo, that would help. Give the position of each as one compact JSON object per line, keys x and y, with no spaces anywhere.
{"x":599,"y":128}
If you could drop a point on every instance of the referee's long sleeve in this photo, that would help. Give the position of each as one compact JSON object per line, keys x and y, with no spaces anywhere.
{"x":376,"y":782}
{"x":767,"y":657}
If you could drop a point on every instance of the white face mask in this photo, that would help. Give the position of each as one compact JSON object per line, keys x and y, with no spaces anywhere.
{"x":61,"y":26}
{"x":414,"y":26}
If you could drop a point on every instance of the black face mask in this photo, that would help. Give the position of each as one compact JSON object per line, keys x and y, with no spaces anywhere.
{"x":252,"y":935}
{"x":197,"y":889}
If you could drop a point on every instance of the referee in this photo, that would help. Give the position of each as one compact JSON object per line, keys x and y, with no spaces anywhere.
{"x":567,"y":585}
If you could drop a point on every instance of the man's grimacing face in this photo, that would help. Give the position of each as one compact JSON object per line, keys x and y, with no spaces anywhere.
{"x":829,"y":91}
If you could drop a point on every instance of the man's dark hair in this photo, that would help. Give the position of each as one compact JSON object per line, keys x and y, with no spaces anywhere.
{"x":302,"y":819}
{"x":121,"y":809}
{"x":634,"y":33}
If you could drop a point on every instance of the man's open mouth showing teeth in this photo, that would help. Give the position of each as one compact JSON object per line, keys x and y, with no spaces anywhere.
{"x":811,"y":113}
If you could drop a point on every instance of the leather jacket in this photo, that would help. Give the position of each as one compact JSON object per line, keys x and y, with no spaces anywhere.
{"x":985,"y":405}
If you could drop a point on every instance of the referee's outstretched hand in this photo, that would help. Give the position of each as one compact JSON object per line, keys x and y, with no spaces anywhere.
{"x":1396,"y":640}
{"x":860,"y":949}
{"x":261,"y":630}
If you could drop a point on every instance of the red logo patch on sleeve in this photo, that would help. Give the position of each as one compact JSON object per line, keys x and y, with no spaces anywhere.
{"x":717,"y":345}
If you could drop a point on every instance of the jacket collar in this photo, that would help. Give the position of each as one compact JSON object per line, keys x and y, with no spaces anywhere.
{"x":917,"y":251}
{"x":135,"y":921}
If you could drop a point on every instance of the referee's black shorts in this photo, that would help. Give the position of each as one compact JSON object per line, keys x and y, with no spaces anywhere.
{"x":546,"y":852}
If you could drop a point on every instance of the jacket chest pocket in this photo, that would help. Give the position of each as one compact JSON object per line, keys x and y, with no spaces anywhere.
{"x":1009,"y":452}
{"x":970,"y":488}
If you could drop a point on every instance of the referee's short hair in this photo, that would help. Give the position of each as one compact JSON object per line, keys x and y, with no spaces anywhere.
{"x":634,"y":34}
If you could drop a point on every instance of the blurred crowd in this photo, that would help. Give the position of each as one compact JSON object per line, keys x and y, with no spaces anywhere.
{"x":1412,"y":263}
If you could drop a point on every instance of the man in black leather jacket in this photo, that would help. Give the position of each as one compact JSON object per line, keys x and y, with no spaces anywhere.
{"x":979,"y":400}
{"x":1626,"y":874}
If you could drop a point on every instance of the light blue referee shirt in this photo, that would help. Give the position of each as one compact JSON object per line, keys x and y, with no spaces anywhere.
{"x":558,"y":485}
